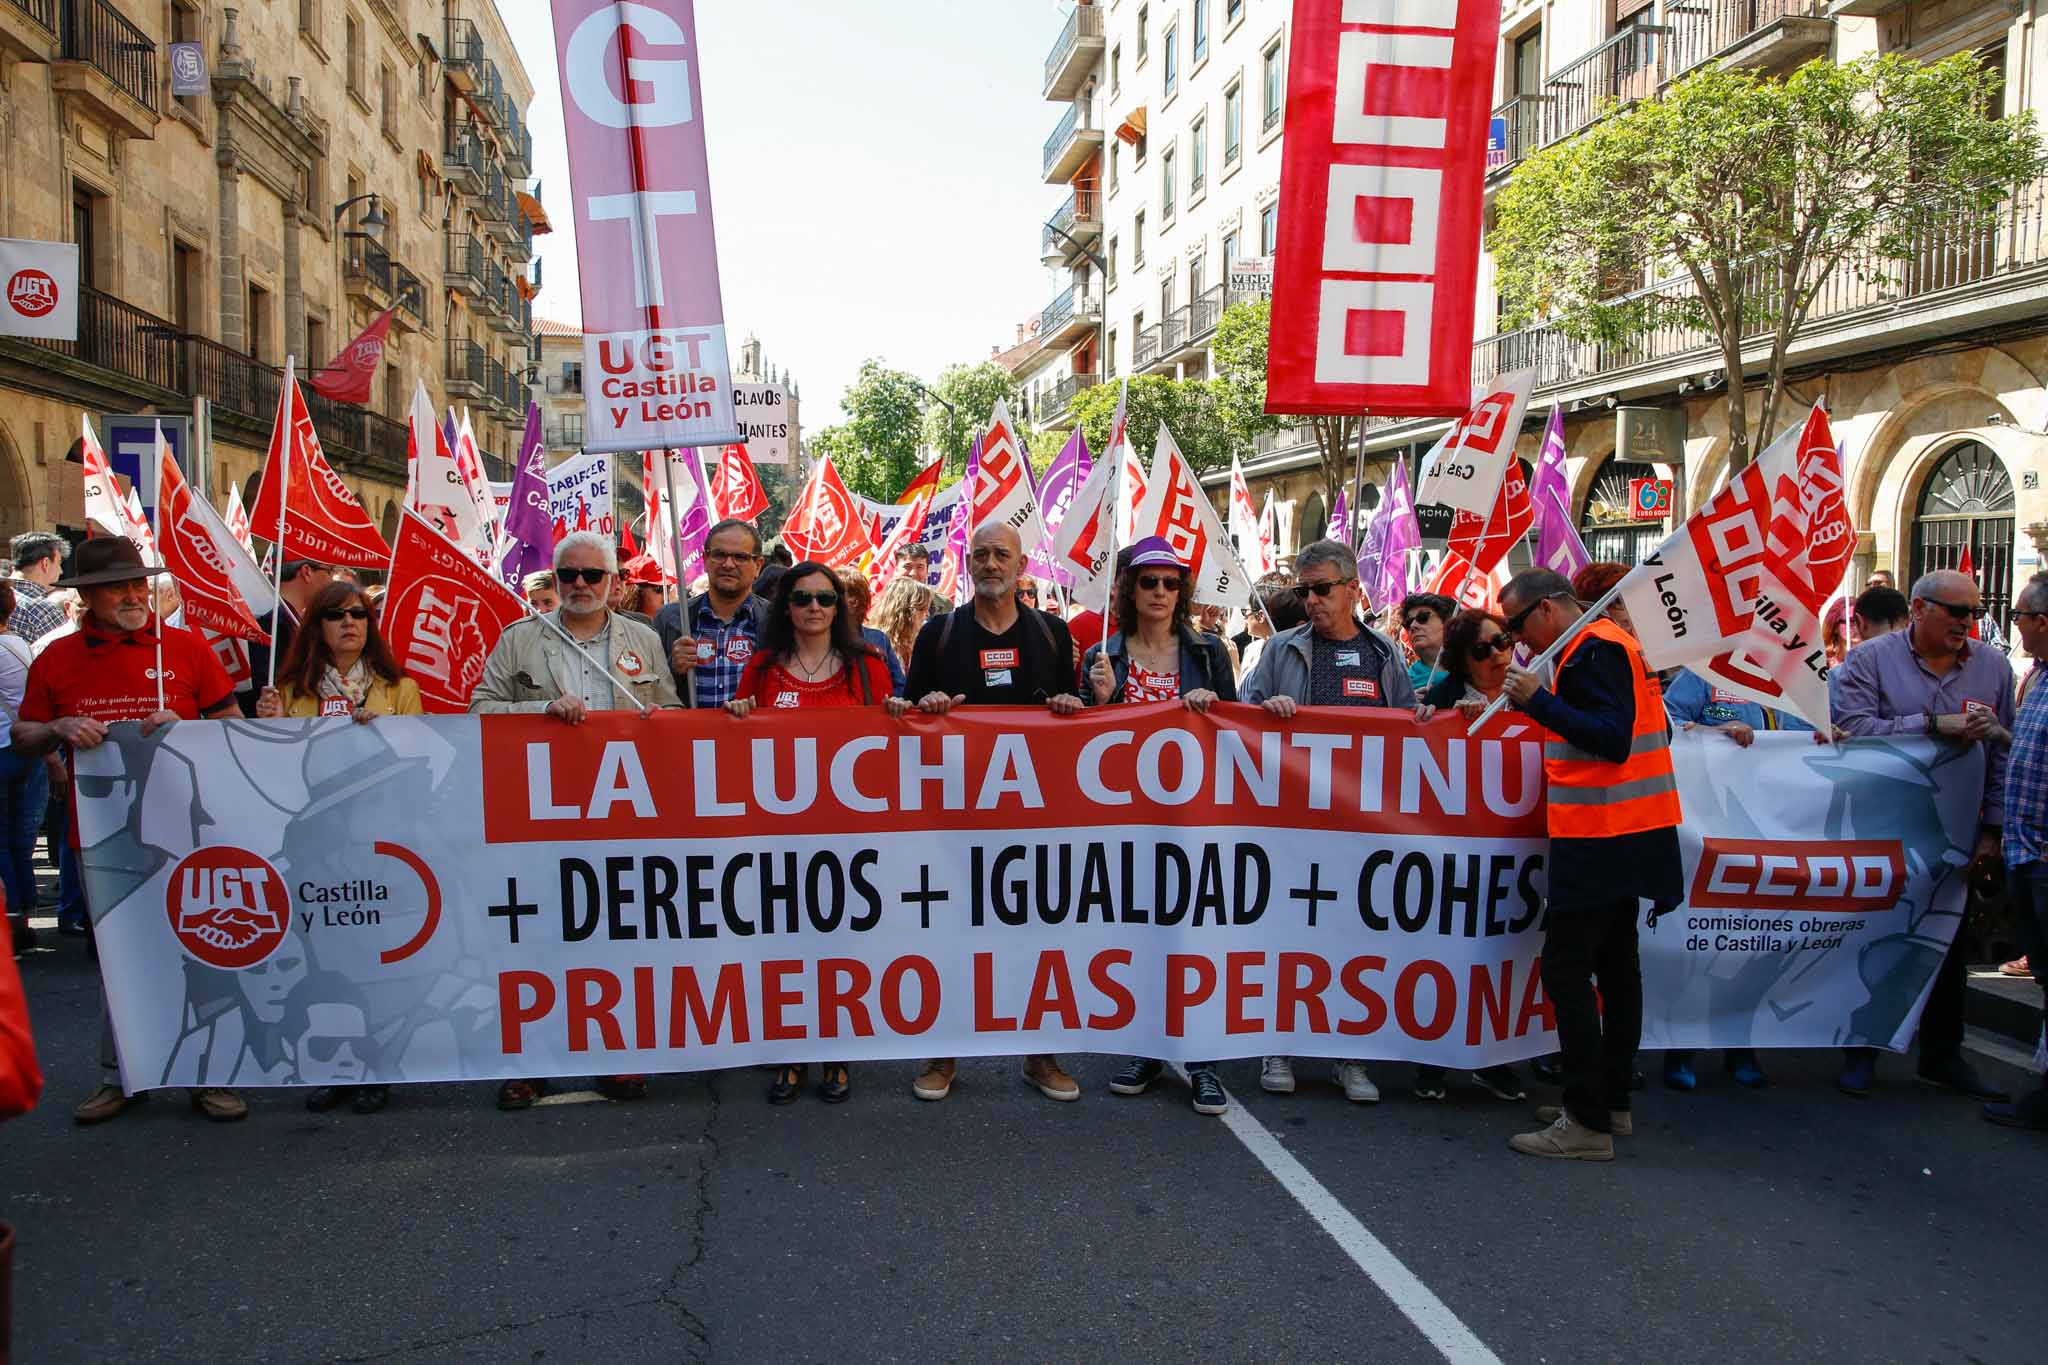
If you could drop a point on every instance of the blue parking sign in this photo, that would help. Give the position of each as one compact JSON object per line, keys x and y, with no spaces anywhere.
{"x":131,"y":450}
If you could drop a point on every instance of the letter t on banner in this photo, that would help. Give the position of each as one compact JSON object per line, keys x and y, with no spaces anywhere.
{"x":654,"y":334}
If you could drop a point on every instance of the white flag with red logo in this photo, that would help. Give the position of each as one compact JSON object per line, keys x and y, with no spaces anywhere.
{"x":909,"y":530}
{"x":1245,"y":529}
{"x":1130,"y":476}
{"x":442,"y":614}
{"x":736,"y":492}
{"x":1484,"y":541}
{"x":223,"y":590}
{"x":1731,"y":593}
{"x":1464,"y":583}
{"x":104,"y":505}
{"x":238,"y":520}
{"x":825,"y":524}
{"x":1003,"y":495}
{"x":1464,"y":471}
{"x":1084,"y":546}
{"x":476,"y":485}
{"x":303,"y":507}
{"x":1177,"y":510}
{"x":434,"y":484}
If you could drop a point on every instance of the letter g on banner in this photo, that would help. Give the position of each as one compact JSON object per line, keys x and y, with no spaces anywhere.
{"x":589,"y":72}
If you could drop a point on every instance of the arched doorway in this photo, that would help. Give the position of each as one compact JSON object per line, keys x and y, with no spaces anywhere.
{"x":1606,"y":526}
{"x":1967,"y":503}
{"x":1310,"y":525}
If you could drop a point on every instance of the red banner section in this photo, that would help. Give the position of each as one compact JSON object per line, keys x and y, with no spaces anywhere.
{"x":1380,"y":188}
{"x":681,"y":775}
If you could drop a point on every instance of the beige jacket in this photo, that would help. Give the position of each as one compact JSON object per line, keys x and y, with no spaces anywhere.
{"x":532,"y":666}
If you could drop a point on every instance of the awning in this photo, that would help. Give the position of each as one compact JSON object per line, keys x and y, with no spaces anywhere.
{"x":1132,"y":129}
{"x":427,"y":167}
{"x":527,"y":288}
{"x":530,"y":206}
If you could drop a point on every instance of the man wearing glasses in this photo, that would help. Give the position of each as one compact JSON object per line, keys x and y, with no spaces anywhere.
{"x":2026,"y":829}
{"x":1931,"y":679}
{"x":708,"y":647}
{"x":1613,"y":817}
{"x":1331,"y":660}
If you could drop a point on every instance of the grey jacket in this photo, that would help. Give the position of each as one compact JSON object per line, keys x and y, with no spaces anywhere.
{"x":532,"y":666}
{"x":1283,"y":668}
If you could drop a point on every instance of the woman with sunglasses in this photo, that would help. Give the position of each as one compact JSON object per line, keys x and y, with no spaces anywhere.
{"x":810,"y":655}
{"x":1159,"y":656}
{"x":342,"y":668}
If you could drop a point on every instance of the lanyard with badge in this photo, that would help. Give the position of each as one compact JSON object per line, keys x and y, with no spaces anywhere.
{"x":998,"y":667}
{"x":1363,"y":689}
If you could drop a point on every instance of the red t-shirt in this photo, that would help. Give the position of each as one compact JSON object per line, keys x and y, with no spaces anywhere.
{"x":109,"y":676}
{"x":769,"y":684}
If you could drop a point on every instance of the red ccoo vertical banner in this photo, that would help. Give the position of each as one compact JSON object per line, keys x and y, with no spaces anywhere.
{"x":1380,"y":203}
{"x":653,"y":317}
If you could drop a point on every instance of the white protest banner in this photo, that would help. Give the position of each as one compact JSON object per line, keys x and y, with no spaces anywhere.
{"x":459,"y":897}
{"x":882,"y":517}
{"x":653,"y":323}
{"x":765,"y":426}
{"x":38,"y":289}
{"x":580,"y":494}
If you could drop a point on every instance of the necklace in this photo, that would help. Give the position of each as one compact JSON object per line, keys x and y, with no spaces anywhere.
{"x":807,"y":669}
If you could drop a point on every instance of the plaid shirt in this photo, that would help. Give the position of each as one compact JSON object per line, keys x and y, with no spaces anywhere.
{"x":33,"y":616}
{"x":718,"y":681}
{"x":2026,"y":783}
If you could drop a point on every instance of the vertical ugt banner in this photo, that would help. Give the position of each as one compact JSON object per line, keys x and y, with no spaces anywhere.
{"x":653,"y":336}
{"x":1380,"y":186}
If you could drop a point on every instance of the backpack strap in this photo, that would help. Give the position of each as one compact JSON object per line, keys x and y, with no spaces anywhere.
{"x":861,"y":676}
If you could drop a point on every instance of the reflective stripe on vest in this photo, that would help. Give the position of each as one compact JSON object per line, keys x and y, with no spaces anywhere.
{"x":1591,"y":798}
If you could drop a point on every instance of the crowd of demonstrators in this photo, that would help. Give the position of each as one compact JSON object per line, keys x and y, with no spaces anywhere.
{"x":708,"y":640}
{"x":122,"y":664}
{"x":341,"y":666}
{"x":991,"y":651}
{"x":1932,"y":679}
{"x":1424,"y":617}
{"x":1333,"y":659}
{"x":581,"y":657}
{"x":860,"y":596}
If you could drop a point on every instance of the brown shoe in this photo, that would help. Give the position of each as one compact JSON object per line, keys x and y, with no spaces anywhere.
{"x":103,"y":1104}
{"x":1622,"y":1124}
{"x":1565,"y":1140}
{"x":934,"y":1079}
{"x":1043,"y":1071}
{"x":222,"y":1106}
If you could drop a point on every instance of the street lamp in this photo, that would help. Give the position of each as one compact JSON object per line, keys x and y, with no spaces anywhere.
{"x":373,"y":222}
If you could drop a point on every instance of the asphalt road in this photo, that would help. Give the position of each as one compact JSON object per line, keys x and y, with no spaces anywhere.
{"x":702,"y":1224}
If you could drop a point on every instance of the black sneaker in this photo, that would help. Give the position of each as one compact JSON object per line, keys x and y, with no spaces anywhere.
{"x":1136,"y":1077}
{"x":1500,"y":1082}
{"x":1210,"y":1096}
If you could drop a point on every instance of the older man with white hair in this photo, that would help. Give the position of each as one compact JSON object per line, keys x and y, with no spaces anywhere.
{"x":579,"y":658}
{"x":1932,"y":679}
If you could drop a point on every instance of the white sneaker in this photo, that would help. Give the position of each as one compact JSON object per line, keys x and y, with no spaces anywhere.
{"x":1277,"y":1076}
{"x":1358,"y":1087}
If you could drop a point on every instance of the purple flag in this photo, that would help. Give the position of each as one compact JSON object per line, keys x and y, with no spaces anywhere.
{"x":1557,"y":541}
{"x":529,"y":531}
{"x":1340,"y":522}
{"x":1401,"y":534}
{"x":954,"y":562}
{"x":1063,"y":478}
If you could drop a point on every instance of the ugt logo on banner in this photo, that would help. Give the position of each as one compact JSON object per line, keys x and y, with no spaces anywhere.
{"x":654,"y":335}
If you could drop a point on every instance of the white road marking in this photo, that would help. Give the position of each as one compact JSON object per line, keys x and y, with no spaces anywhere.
{"x":1430,"y":1315}
{"x":1998,"y":1049}
{"x":571,"y":1097}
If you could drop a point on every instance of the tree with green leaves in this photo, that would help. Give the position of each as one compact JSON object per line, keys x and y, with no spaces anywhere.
{"x":881,"y":451}
{"x":1727,"y":203}
{"x":1240,"y":387}
{"x":1187,"y":406}
{"x":972,"y":391}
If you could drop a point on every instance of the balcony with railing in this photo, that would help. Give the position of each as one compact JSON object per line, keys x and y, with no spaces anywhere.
{"x":1520,"y":123}
{"x":366,"y":268}
{"x":495,"y":204}
{"x":1079,"y":218}
{"x":28,"y":29}
{"x":1772,"y":35}
{"x":1061,"y":399}
{"x":1070,"y":316}
{"x":409,"y":292}
{"x":496,"y":384}
{"x":109,"y":65}
{"x":1145,"y":350}
{"x":488,"y":99}
{"x":1203,"y":315}
{"x":518,"y":143}
{"x":462,"y":264}
{"x":1074,"y":53}
{"x":466,"y":163}
{"x":462,"y":55}
{"x":1077,"y":137}
{"x":1622,"y":68}
{"x":1962,"y":273}
{"x":515,"y":235}
{"x":468,"y":373}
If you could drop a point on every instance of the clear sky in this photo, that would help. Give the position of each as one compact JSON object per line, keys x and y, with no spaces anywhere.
{"x":874,"y":176}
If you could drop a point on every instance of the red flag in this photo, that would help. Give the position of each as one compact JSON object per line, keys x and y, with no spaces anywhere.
{"x":1969,"y":571}
{"x":909,"y":531}
{"x":1831,"y":535}
{"x":346,"y":379}
{"x":1485,"y":541}
{"x":201,"y":554}
{"x":1457,"y":579}
{"x":927,"y":481}
{"x":823,"y":525}
{"x":627,"y":549}
{"x":323,"y":521}
{"x":442,"y":615}
{"x":736,"y":489}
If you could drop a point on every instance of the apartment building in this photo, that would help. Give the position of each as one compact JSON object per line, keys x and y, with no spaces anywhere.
{"x":348,"y":156}
{"x":1936,"y":379}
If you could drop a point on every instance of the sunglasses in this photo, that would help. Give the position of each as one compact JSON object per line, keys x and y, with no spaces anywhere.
{"x":1961,"y":613}
{"x":323,"y":1049}
{"x":1324,"y":589}
{"x":1486,"y":649}
{"x":729,"y":557}
{"x":804,"y":597}
{"x":350,"y":613}
{"x":1418,"y":620}
{"x":1159,"y":582}
{"x":590,"y":576}
{"x":1521,"y":618}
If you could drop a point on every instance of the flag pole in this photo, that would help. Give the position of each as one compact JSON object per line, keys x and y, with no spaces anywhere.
{"x":284,"y":488}
{"x":1571,"y":633}
{"x":674,"y":515}
{"x":618,"y":685}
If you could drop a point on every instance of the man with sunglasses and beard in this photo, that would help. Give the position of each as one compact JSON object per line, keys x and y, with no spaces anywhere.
{"x":1932,"y":679}
{"x":1333,"y":660}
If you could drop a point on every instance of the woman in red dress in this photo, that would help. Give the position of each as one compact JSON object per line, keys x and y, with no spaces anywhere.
{"x":811,"y":654}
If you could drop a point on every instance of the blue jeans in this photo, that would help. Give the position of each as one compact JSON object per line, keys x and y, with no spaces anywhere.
{"x":70,"y":880}
{"x":24,"y":791}
{"x":2029,"y":883}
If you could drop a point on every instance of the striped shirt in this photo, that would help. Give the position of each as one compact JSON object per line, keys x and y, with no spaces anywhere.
{"x":2026,"y":783}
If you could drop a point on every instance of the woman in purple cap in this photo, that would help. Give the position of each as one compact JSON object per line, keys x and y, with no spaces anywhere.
{"x":1159,"y":655}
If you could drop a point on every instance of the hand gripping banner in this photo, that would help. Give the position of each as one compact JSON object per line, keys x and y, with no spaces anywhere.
{"x":455,"y":897}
